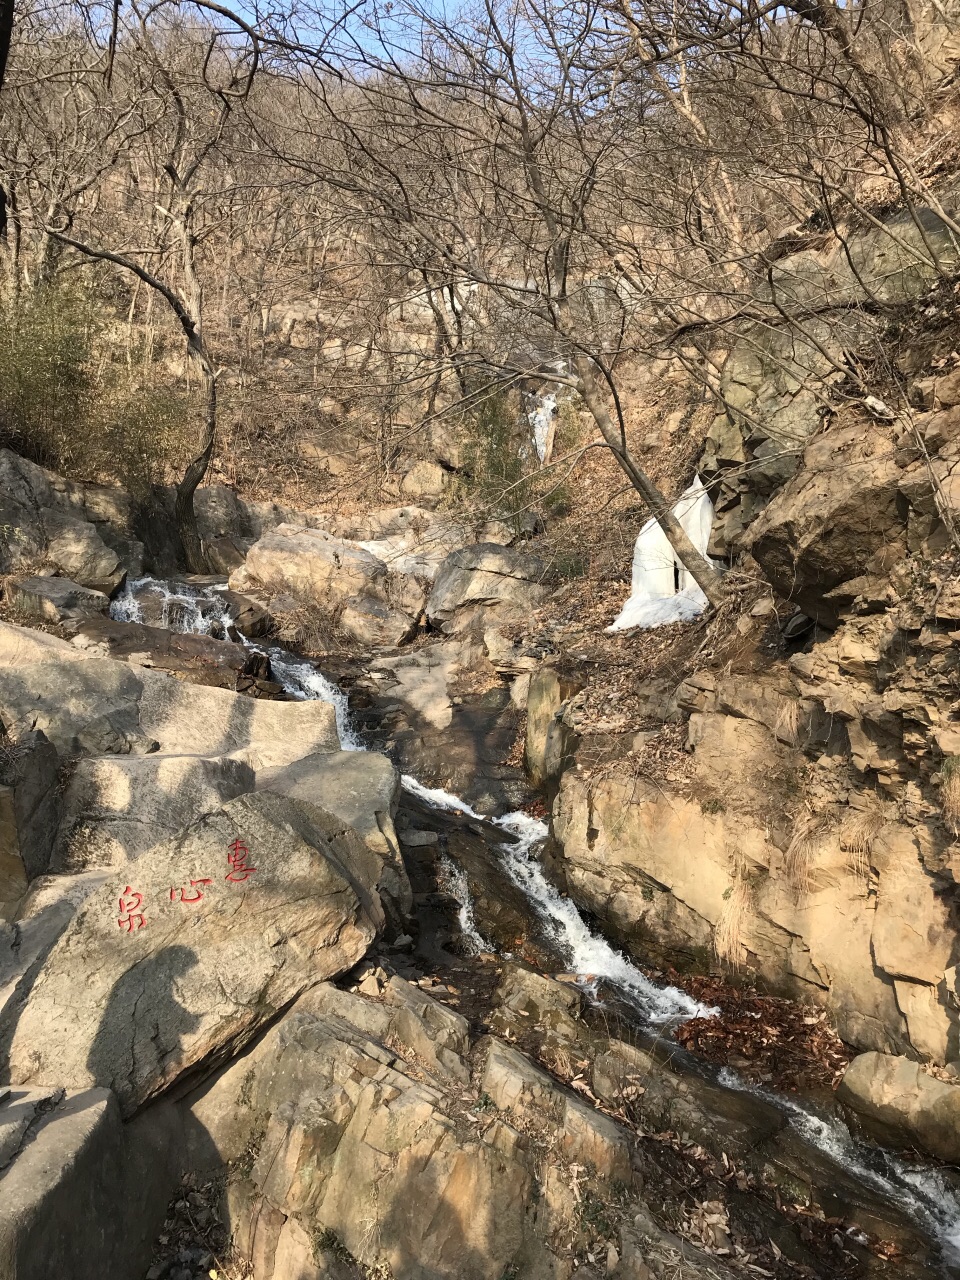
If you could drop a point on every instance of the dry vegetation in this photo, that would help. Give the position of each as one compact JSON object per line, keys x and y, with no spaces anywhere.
{"x":291,"y":262}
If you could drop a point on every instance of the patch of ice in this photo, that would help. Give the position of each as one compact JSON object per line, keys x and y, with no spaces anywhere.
{"x":661,"y":589}
{"x":540,"y":419}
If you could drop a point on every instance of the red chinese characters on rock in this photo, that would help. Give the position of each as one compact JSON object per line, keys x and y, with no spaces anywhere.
{"x":181,"y":895}
{"x":131,"y":902}
{"x":131,"y":917}
{"x":237,"y":857}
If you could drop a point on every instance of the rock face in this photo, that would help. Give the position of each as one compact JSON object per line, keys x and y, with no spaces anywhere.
{"x":186,"y":955}
{"x":835,"y":868}
{"x":777,"y":378}
{"x":63,"y":1175}
{"x":487,"y":579}
{"x":900,"y":1105}
{"x":424,"y":481}
{"x":409,"y":706}
{"x":549,"y":743}
{"x":314,"y":568}
{"x":47,"y":522}
{"x":841,"y":518}
{"x":30,"y":806}
{"x":362,"y":1129}
{"x":115,"y":808}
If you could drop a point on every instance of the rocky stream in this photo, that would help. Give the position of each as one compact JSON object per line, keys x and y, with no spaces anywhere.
{"x":308,"y":974}
{"x":480,"y":889}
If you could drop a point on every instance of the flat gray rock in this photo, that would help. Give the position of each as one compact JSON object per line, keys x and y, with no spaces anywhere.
{"x":59,"y":600}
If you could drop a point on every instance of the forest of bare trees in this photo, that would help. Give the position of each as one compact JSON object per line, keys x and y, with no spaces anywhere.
{"x":441,"y":205}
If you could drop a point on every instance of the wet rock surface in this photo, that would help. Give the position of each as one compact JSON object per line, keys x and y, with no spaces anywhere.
{"x":209,"y":661}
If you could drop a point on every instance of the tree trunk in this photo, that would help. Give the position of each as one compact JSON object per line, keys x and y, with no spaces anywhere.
{"x":705,"y":576}
{"x":6,"y":35}
{"x":185,"y":513}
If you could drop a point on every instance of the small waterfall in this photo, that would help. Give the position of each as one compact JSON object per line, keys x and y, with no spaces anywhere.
{"x":454,"y":879}
{"x":196,"y":610}
{"x":303,"y":681}
{"x":923,"y":1192}
{"x":589,"y":954}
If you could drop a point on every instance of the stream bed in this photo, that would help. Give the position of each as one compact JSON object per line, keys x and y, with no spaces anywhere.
{"x":809,"y":1146}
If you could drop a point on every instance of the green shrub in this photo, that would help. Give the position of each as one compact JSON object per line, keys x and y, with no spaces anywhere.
{"x":496,"y":470}
{"x":46,"y":382}
{"x":66,"y":405}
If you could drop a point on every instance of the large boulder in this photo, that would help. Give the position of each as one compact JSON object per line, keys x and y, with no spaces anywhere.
{"x":44,"y":524}
{"x":829,"y":523}
{"x":176,"y":964}
{"x":77,"y":550}
{"x":340,"y":578}
{"x":361,"y":789}
{"x":898,"y":1103}
{"x":409,"y":705}
{"x":89,"y":705}
{"x":425,"y":481}
{"x":63,"y":1186}
{"x":116,"y":808}
{"x":488,"y":580}
{"x":58,"y":600}
{"x":311,"y":564}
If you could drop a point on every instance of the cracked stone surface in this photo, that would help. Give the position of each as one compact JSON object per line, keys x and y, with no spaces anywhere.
{"x":495,"y":581}
{"x":134,"y":1006}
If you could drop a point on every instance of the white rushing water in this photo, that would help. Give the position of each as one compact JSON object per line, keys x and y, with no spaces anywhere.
{"x":588,"y":954}
{"x":184,"y":606}
{"x":303,"y":681}
{"x":922,"y":1192}
{"x":454,"y":879}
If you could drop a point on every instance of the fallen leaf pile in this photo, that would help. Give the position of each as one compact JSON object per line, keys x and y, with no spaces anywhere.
{"x":776,"y":1042}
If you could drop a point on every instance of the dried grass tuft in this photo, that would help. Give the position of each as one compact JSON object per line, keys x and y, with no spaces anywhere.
{"x":858,"y":831}
{"x":786,"y":727}
{"x":950,"y":792}
{"x":808,"y":839}
{"x":728,"y":937}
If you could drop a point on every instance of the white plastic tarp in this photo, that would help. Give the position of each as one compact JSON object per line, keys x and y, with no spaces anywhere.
{"x":661,"y":590}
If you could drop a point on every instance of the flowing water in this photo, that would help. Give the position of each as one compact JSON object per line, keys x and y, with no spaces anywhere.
{"x":588,"y":953}
{"x":922,"y":1192}
{"x":183,"y":606}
